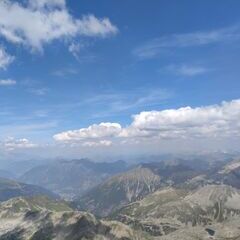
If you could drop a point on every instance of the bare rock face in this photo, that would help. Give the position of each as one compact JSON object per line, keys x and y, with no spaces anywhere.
{"x":228,"y":230}
{"x":171,"y":210}
{"x":119,"y":191}
{"x":133,"y":185}
{"x":230,"y":174}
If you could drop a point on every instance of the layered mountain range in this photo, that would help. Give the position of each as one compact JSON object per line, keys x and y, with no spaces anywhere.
{"x":72,"y":178}
{"x":156,"y":200}
{"x":133,"y":185}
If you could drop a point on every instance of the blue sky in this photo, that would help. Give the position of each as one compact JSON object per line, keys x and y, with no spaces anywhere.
{"x":106,"y":62}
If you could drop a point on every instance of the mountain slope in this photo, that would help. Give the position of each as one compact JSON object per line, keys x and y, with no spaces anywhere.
{"x":133,"y":185}
{"x":168,"y":210}
{"x":229,"y":230}
{"x":35,"y":203}
{"x":119,"y":190}
{"x":71,"y":178}
{"x":11,"y":188}
{"x":229,"y":174}
{"x":25,"y":219}
{"x":173,"y":172}
{"x":28,"y":219}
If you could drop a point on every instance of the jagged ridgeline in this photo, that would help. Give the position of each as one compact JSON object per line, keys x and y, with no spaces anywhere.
{"x":41,"y":218}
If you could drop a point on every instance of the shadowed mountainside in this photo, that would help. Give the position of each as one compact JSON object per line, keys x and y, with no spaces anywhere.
{"x":72,"y":178}
{"x":11,"y":188}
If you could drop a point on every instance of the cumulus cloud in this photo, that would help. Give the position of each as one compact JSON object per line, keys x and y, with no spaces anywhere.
{"x":5,"y":58}
{"x":212,"y":121}
{"x":94,"y":131}
{"x":39,"y":22}
{"x":7,"y":82}
{"x":11,"y":144}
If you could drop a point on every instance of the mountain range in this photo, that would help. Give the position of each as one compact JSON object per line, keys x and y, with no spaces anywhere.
{"x":72,"y":178}
{"x":165,"y":200}
{"x":134,"y":184}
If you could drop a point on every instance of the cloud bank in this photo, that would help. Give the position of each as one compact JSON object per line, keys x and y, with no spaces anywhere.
{"x":213,"y":127}
{"x":186,"y":123}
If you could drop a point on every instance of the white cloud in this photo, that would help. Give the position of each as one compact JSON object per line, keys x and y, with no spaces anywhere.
{"x":156,"y":46}
{"x":91,"y":26}
{"x":38,"y":4}
{"x":39,"y":22}
{"x":94,"y":131}
{"x":7,"y":82}
{"x":214,"y":121}
{"x":11,"y":144}
{"x":74,"y":49}
{"x":186,"y":70}
{"x":5,"y":58}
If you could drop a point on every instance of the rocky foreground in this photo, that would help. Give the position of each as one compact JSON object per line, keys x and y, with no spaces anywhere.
{"x":210,"y":212}
{"x":40,"y":218}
